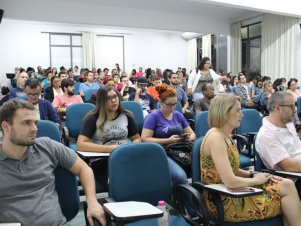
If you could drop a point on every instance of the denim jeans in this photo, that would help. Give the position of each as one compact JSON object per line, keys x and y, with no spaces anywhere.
{"x":178,"y":176}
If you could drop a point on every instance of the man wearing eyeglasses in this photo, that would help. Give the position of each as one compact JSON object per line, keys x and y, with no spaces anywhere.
{"x":44,"y":108}
{"x":277,"y":141}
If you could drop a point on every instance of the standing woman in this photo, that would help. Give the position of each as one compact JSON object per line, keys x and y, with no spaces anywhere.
{"x":54,"y":89}
{"x":220,"y":164}
{"x":165,"y":126}
{"x":200,"y":76}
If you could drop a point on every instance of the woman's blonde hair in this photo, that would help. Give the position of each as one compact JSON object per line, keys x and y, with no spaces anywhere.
{"x":265,"y":85}
{"x":219,"y":108}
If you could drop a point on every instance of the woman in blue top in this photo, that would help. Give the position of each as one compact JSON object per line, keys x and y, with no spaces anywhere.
{"x":165,"y":126}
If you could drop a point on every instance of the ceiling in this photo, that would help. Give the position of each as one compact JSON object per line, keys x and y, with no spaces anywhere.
{"x":202,"y":16}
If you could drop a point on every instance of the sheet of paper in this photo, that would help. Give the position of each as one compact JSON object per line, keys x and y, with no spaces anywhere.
{"x":93,"y":154}
{"x":10,"y":224}
{"x":131,"y":209}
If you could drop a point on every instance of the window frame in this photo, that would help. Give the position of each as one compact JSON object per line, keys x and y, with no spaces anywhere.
{"x":70,"y":46}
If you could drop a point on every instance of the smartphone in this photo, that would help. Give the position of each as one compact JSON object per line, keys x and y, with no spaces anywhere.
{"x":241,"y":189}
{"x":185,"y":135}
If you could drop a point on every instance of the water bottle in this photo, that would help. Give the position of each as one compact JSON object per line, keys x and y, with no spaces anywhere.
{"x":164,"y":220}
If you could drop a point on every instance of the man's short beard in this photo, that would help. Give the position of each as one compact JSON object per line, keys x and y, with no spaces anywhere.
{"x":70,"y":93}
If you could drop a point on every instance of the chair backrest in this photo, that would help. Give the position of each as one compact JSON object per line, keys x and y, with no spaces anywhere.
{"x":76,"y":87}
{"x":299,"y":107}
{"x":201,"y":124}
{"x":251,"y":121}
{"x":46,"y":86}
{"x":259,"y":165}
{"x":137,"y":111}
{"x":139,"y":172}
{"x":67,"y":190}
{"x":179,"y":107}
{"x":49,"y":129}
{"x":65,"y":182}
{"x":88,"y":94}
{"x":74,"y":116}
{"x":196,"y":166}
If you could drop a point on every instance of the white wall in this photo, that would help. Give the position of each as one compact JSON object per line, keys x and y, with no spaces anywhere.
{"x":23,"y":44}
{"x":298,"y":75}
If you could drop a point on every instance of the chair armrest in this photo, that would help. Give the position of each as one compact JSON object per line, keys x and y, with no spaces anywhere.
{"x":125,"y":212}
{"x":198,"y":204}
{"x":216,"y":190}
{"x":65,"y":136}
{"x":283,"y":173}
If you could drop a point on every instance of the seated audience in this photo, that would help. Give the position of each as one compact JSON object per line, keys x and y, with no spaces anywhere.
{"x":44,"y":109}
{"x":47,"y":81}
{"x":70,"y":74}
{"x":292,"y":88}
{"x":243,"y":91}
{"x":182,"y":80}
{"x":126,"y":90}
{"x":233,"y":84}
{"x":61,"y":102}
{"x":181,"y":95}
{"x":19,"y":90}
{"x":277,"y":141}
{"x":89,"y":84}
{"x":139,"y":73}
{"x":204,"y":103}
{"x":62,"y":75}
{"x":105,"y":128}
{"x":256,"y":89}
{"x":268,"y":90}
{"x":146,"y":101}
{"x":155,"y":81}
{"x":27,"y":166}
{"x":165,"y":126}
{"x":117,"y":85}
{"x":53,"y":90}
{"x":220,"y":164}
{"x":278,"y":85}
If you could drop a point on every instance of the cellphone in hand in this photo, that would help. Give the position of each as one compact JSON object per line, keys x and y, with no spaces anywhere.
{"x":185,"y":135}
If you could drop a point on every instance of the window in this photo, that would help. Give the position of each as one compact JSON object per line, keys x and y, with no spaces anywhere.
{"x":251,"y":48}
{"x":219,"y":53}
{"x":65,"y":50}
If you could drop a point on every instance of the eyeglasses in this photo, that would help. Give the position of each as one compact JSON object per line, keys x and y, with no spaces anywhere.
{"x":111,"y":98}
{"x":171,"y":105}
{"x":33,"y":94}
{"x":291,"y":106}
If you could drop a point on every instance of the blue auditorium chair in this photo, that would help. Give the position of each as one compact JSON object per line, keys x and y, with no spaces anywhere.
{"x":74,"y":116}
{"x":139,"y":172}
{"x":137,"y":112}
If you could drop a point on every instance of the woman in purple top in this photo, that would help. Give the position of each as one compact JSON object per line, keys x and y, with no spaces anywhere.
{"x":165,"y":126}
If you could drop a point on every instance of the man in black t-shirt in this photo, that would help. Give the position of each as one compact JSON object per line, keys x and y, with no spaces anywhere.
{"x":146,"y":101}
{"x":126,"y":90}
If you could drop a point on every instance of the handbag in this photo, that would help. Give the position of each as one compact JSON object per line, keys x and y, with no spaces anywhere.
{"x":181,"y":153}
